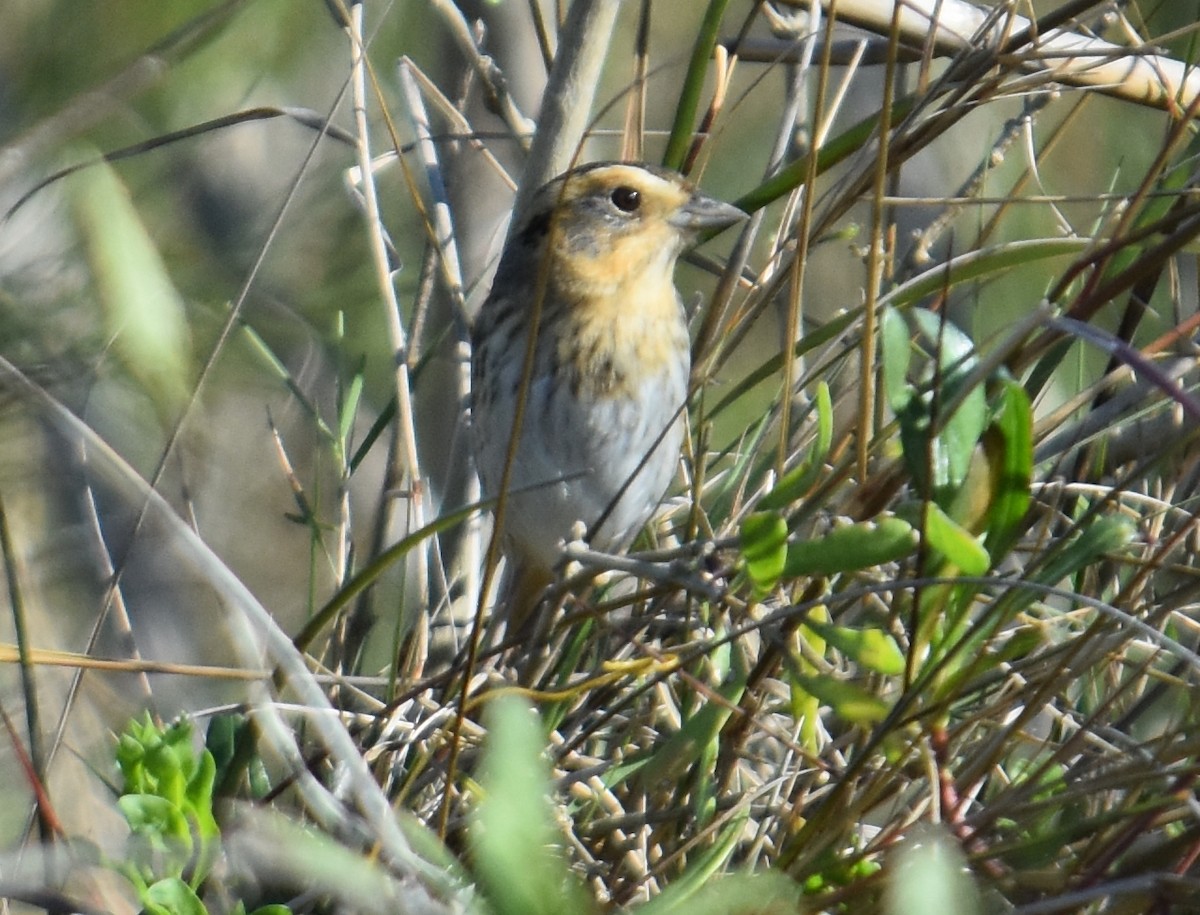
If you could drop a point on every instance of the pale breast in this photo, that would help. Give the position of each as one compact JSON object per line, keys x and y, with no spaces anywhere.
{"x":602,"y":445}
{"x":611,"y":461}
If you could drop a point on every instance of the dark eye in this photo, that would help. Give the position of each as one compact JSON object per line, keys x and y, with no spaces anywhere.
{"x":626,"y":199}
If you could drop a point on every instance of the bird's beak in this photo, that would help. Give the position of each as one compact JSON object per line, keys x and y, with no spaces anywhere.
{"x":702,"y":212}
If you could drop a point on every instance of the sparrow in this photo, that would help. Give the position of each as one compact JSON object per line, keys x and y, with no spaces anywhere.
{"x":592,"y":262}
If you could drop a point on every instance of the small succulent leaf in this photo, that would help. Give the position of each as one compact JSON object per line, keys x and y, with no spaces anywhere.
{"x":847,"y":700}
{"x":954,"y":542}
{"x":872,"y":648}
{"x":851,"y":547}
{"x":764,"y":548}
{"x":897,"y":354}
{"x":1008,"y":446}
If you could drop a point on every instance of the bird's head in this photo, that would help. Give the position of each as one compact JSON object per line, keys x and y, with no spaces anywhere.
{"x":600,"y":225}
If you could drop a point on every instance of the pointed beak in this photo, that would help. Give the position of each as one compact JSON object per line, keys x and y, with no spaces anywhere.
{"x":702,"y":212}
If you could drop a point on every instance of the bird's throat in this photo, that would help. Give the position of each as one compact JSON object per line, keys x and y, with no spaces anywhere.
{"x":613,"y":344}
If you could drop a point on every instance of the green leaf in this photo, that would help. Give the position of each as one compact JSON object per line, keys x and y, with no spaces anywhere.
{"x":143,"y":312}
{"x":232,"y":741}
{"x":959,"y":432}
{"x":349,"y":411}
{"x":1108,"y":534}
{"x":331,"y":869}
{"x":172,"y":897}
{"x":154,"y":817}
{"x":930,"y":874}
{"x":797,"y":481}
{"x":833,"y":151}
{"x":1008,"y":446}
{"x":897,"y":354}
{"x":684,"y":126}
{"x":221,"y":738}
{"x":368,"y":574}
{"x":824,"y":402}
{"x":699,"y":733}
{"x":954,"y":542}
{"x":764,"y":548}
{"x":705,"y":866}
{"x":156,"y":760}
{"x":872,"y":648}
{"x":200,"y":795}
{"x":982,"y":264}
{"x":167,"y":797}
{"x":512,"y":836}
{"x":851,"y":547}
{"x":738,"y":894}
{"x":848,"y":701}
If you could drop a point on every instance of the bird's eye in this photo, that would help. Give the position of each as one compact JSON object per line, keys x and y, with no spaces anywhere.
{"x":626,"y":199}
